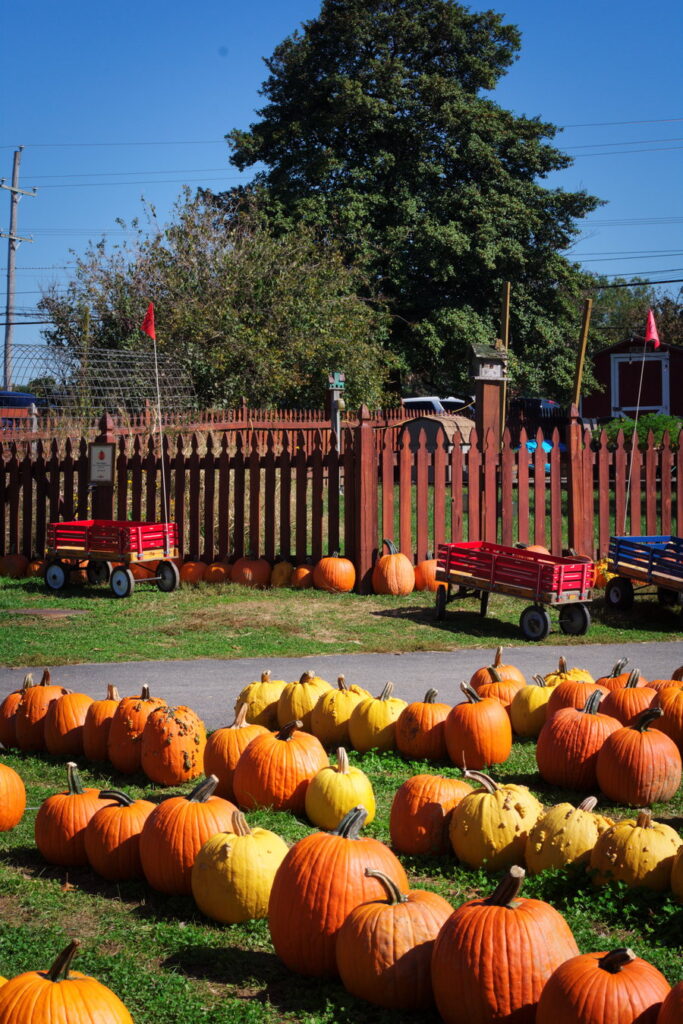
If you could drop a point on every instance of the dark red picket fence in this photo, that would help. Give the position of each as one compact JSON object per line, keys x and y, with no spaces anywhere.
{"x":234,"y":492}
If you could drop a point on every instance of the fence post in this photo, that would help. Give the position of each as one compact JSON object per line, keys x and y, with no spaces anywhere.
{"x":366,"y":500}
{"x":103,"y":494}
{"x":578,"y":509}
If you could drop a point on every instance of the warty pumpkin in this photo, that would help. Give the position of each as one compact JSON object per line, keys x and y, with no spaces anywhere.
{"x":275,"y":769}
{"x":564,"y":835}
{"x":597,"y":988}
{"x":298,"y":699}
{"x":420,"y":731}
{"x":529,"y":708}
{"x":640,"y":852}
{"x":372,"y":725}
{"x":125,"y":732}
{"x":393,"y":573}
{"x":421,"y":813}
{"x":318,"y":884}
{"x":626,"y":702}
{"x":233,"y":872}
{"x":172,"y":746}
{"x":564,"y":673}
{"x":175,"y":832}
{"x":112,"y":836}
{"x":29,"y":720}
{"x":224,"y":748}
{"x":335,"y":790}
{"x":12,"y":798}
{"x":334,"y":574}
{"x":506,"y":672}
{"x":261,"y":698}
{"x":97,"y":723}
{"x":570,"y":742}
{"x":62,"y":819}
{"x":473,"y":980}
{"x":64,"y":723}
{"x":384,"y":947}
{"x":8,"y":713}
{"x":478,"y":732}
{"x":639,"y":765}
{"x":332,"y":711}
{"x":59,"y":995}
{"x":489,"y":826}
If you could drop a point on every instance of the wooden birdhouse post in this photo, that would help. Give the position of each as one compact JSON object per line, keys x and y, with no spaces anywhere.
{"x":489,"y":369}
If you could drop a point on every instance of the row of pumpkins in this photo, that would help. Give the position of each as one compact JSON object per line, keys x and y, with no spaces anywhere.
{"x":333,"y":893}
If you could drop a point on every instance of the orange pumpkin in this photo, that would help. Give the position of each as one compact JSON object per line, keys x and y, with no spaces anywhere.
{"x":281,"y":575}
{"x":670,"y":701}
{"x":192,"y":572}
{"x":425,"y":575}
{"x":32,"y":710}
{"x":507,"y":673}
{"x":276,"y":768}
{"x":626,"y":702}
{"x":13,"y":566}
{"x":478,"y":731}
{"x":639,"y":765}
{"x":125,"y":732}
{"x":617,"y":677}
{"x":12,"y":798}
{"x":672,"y":1007}
{"x":218,"y":572}
{"x":569,"y":744}
{"x":251,"y":572}
{"x":302,"y":577}
{"x":421,"y":814}
{"x":8,"y":713}
{"x":334,"y":574}
{"x":35,"y":568}
{"x":62,"y":819}
{"x":64,"y":725}
{"x":112,"y":836}
{"x":97,"y":723}
{"x":224,"y":748}
{"x":393,"y":573}
{"x":420,"y":729}
{"x":172,"y":746}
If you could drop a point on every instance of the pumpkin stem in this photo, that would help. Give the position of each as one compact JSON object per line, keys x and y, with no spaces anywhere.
{"x":394,"y":894}
{"x":341,"y":683}
{"x":45,"y":678}
{"x":593,"y":703}
{"x":342,"y":761}
{"x":117,"y":795}
{"x":538,"y":680}
{"x":201,"y":792}
{"x":618,"y":958}
{"x":430,"y":696}
{"x":497,"y":657}
{"x":386,"y":692}
{"x":562,"y":666}
{"x":589,"y":804}
{"x":391,"y":547}
{"x":485,"y":780}
{"x":240,"y":825}
{"x":471,"y":694}
{"x":144,"y":693}
{"x":633,"y":679}
{"x":619,"y":667}
{"x":28,"y":681}
{"x":75,"y":782}
{"x":351,"y":824}
{"x":644,"y":819}
{"x":287,"y":731}
{"x":63,"y":962}
{"x":112,"y":692}
{"x":241,"y":716}
{"x":646,"y":717}
{"x":308,"y":676}
{"x":265,"y":676}
{"x":508,"y":889}
{"x":496,"y":677}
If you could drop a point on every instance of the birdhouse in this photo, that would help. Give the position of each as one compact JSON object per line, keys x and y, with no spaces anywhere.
{"x":489,"y":363}
{"x":489,"y":369}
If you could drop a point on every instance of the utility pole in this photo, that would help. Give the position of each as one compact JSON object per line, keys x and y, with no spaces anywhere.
{"x":12,"y":246}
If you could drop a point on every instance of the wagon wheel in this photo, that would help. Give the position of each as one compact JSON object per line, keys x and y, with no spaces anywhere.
{"x":619,"y":594}
{"x":441,"y":602}
{"x":483,"y":602}
{"x":575,"y":619}
{"x":169,"y":576}
{"x":668,"y":598}
{"x":534,"y":623}
{"x":56,"y":575}
{"x":122,"y":582}
{"x":98,"y":572}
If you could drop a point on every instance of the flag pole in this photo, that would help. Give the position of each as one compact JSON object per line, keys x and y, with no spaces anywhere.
{"x":149,"y":329}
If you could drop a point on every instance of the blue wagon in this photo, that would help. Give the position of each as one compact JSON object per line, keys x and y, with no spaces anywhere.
{"x":645,"y":562}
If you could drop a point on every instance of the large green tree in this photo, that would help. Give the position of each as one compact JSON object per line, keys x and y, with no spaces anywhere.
{"x":243,"y":311}
{"x":378,"y":129}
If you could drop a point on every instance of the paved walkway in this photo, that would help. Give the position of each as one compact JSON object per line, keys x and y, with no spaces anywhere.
{"x":211,"y":686}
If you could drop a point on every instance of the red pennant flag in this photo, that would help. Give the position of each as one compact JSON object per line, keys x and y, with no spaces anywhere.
{"x":651,"y":333}
{"x":148,"y":323}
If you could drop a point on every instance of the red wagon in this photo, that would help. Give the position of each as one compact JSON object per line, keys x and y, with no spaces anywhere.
{"x":106,"y":549}
{"x":481,"y":568}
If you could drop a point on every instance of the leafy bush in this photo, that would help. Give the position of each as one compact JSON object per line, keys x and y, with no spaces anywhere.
{"x":656,"y":422}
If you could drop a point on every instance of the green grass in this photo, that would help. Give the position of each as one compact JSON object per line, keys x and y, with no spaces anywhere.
{"x":171,"y":965}
{"x":227,"y":621}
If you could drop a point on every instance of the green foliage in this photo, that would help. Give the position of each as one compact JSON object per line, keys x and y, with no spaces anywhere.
{"x":656,"y":422}
{"x":377,"y":129}
{"x":620,"y":314}
{"x":243,"y":311}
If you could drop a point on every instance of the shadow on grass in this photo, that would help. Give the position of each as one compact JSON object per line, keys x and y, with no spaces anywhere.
{"x":461,"y":621}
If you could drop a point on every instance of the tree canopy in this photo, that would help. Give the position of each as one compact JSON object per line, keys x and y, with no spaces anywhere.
{"x":243,"y":311}
{"x":378,"y":131}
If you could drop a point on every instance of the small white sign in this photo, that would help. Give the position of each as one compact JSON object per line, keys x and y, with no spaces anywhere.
{"x":102,"y":463}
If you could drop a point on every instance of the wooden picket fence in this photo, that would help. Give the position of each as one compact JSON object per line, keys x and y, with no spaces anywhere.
{"x":237,"y":493}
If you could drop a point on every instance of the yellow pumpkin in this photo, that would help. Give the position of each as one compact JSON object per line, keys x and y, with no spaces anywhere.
{"x":281,"y":575}
{"x":579,"y":675}
{"x":335,"y":790}
{"x":373,"y":721}
{"x":489,"y":827}
{"x":602,"y":576}
{"x":298,"y":699}
{"x":564,"y":835}
{"x":677,"y":875}
{"x":640,"y":853}
{"x":261,"y":698}
{"x":529,"y":707}
{"x":330,"y":716}
{"x":233,"y":872}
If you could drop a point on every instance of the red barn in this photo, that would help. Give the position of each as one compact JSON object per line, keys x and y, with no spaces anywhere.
{"x":618,"y":370}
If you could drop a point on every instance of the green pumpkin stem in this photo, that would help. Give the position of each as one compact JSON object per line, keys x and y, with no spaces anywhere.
{"x":496,"y":677}
{"x":471,"y":694}
{"x":287,"y":731}
{"x":63,"y":962}
{"x":241,"y":716}
{"x":538,"y":680}
{"x":589,"y":804}
{"x":484,"y":780}
{"x":394,"y":894}
{"x":593,"y":703}
{"x":203,"y":790}
{"x":646,"y":718}
{"x":74,"y":779}
{"x":391,"y":547}
{"x":386,"y":692}
{"x":342,"y":761}
{"x":117,"y":795}
{"x":430,"y":696}
{"x":351,"y":824}
{"x":619,"y":667}
{"x":618,"y":958}
{"x":508,"y":889}
{"x":633,"y":679}
{"x":240,"y":825}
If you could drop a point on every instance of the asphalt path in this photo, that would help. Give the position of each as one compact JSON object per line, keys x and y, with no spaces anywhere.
{"x":211,"y":686}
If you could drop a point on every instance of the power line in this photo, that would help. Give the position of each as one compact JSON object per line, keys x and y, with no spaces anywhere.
{"x":617,"y":259}
{"x":578,"y":156}
{"x":637,"y":284}
{"x":611,"y":124}
{"x":630,"y":142}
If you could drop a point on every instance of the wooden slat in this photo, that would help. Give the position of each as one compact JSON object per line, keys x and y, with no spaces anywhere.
{"x":405,"y":497}
{"x":223,"y":539}
{"x":255,"y":495}
{"x":588,"y":495}
{"x":387,"y":470}
{"x":84,"y":492}
{"x":473,"y":464}
{"x":54,"y":490}
{"x":150,"y":477}
{"x":556,"y":539}
{"x":209,"y":461}
{"x":539,"y":461}
{"x":41,"y":498}
{"x":269,"y":498}
{"x":679,"y":484}
{"x":620,"y":475}
{"x":14,"y":500}
{"x":238,"y":498}
{"x":507,"y":463}
{"x":179,"y":493}
{"x":604,"y":526}
{"x":421,"y":497}
{"x":651,"y":460}
{"x":285,"y":464}
{"x":67,"y":488}
{"x":489,"y":511}
{"x":121,"y":481}
{"x":26,"y":480}
{"x":194,"y":541}
{"x":333,"y":518}
{"x":4,"y":499}
{"x":301,"y":485}
{"x":457,"y":478}
{"x":440,"y":467}
{"x":666,"y":471}
{"x":523,"y":489}
{"x":316,"y":461}
{"x":135,"y":468}
{"x":349,"y":495}
{"x":636,"y":488}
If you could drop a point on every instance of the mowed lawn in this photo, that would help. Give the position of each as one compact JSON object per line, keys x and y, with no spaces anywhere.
{"x":88,"y":624}
{"x":169,"y":964}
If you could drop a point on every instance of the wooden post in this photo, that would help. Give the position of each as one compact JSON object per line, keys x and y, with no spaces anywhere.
{"x":505,"y":338}
{"x":366,"y":501}
{"x":575,"y":486}
{"x":103,"y":494}
{"x":581,"y":354}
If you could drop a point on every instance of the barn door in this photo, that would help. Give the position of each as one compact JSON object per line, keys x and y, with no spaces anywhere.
{"x":654,"y":394}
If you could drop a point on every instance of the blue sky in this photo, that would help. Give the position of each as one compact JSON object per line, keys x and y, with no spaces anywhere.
{"x":113,"y":102}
